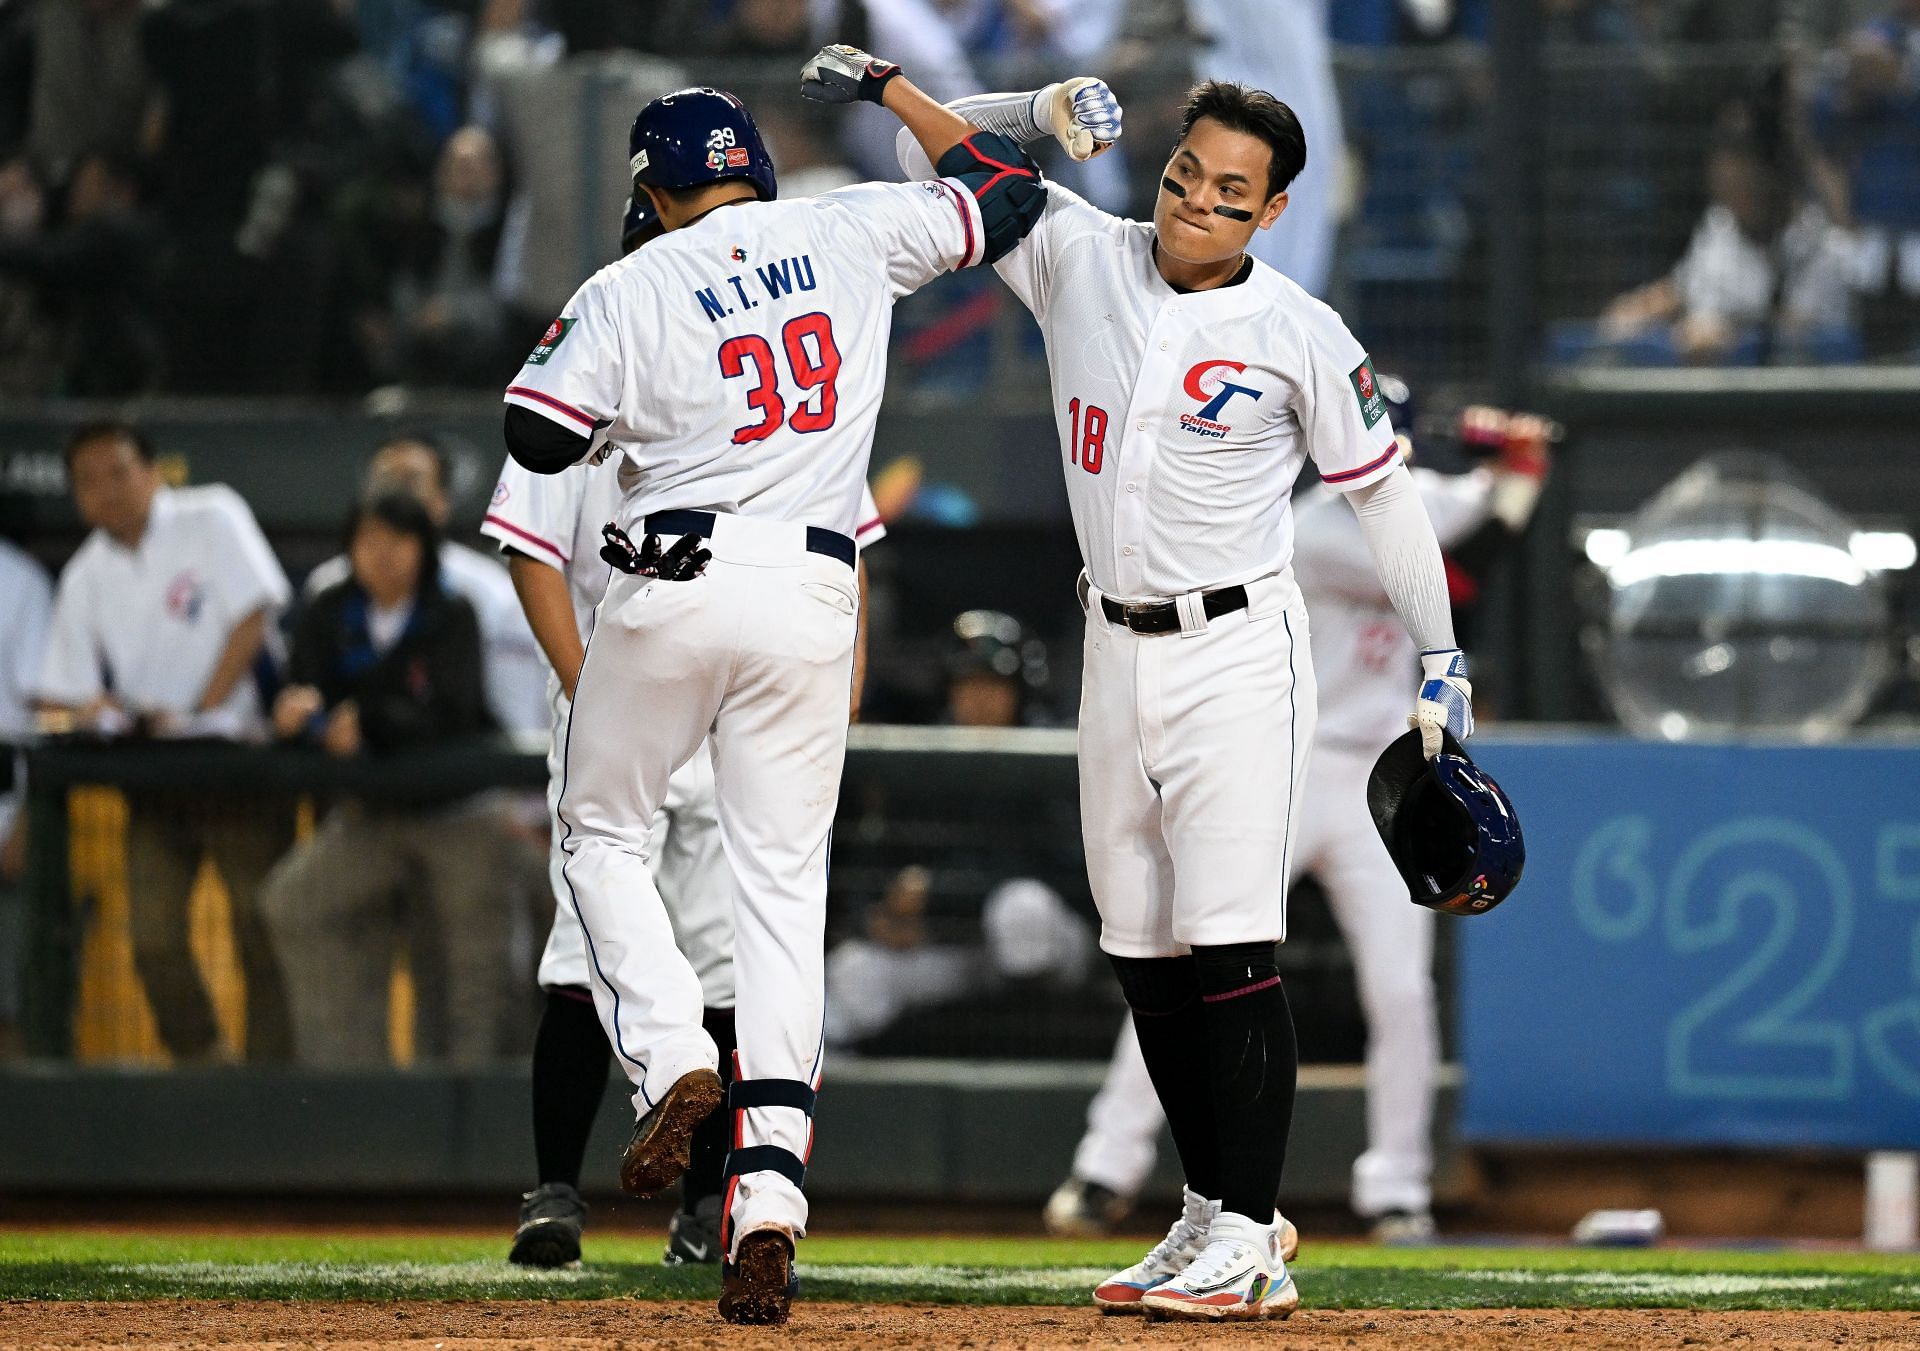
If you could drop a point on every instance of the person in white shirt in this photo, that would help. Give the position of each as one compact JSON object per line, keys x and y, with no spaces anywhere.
{"x":159,"y":622}
{"x":1190,"y":384}
{"x":413,"y":462}
{"x":26,"y":607}
{"x":549,"y":526}
{"x":1366,"y":666}
{"x":736,"y":367}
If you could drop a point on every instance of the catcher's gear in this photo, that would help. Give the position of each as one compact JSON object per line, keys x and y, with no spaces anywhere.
{"x":1446,"y":699}
{"x":843,"y":74}
{"x":695,"y":136}
{"x":1004,"y":181}
{"x":1082,"y":113}
{"x":1450,"y":831}
{"x":681,"y":563}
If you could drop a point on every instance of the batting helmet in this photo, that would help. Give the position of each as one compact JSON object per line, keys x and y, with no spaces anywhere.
{"x":696,"y":136}
{"x":640,"y":224}
{"x":1449,"y":829}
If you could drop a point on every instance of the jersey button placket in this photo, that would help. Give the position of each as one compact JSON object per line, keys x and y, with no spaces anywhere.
{"x":1132,"y":514}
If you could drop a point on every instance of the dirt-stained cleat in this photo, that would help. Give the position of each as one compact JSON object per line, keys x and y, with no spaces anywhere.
{"x":1238,"y":1275}
{"x":551,"y":1218}
{"x":759,"y":1284}
{"x":657,"y":1155}
{"x":1122,"y":1291}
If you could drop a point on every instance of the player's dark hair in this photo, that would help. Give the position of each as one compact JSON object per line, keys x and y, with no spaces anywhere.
{"x":1257,"y":113}
{"x":442,"y":464}
{"x":105,"y":429}
{"x":405,"y":513}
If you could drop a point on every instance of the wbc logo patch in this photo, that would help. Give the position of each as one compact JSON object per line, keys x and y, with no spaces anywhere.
{"x":555,"y":335}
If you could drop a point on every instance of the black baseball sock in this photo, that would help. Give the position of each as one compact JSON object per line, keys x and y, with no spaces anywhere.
{"x":1164,"y":994}
{"x":571,"y":1060}
{"x":1254,"y":1064}
{"x":707,"y":1152}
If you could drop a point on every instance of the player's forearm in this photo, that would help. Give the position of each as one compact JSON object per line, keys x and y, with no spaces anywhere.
{"x":1406,"y":554}
{"x":935,"y":128}
{"x":1008,"y":115}
{"x":549,"y":609}
{"x":236,"y":659}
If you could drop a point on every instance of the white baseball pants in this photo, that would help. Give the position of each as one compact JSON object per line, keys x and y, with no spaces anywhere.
{"x":758,"y":652}
{"x":1391,"y":942}
{"x":689,"y":868}
{"x":1193,"y":755}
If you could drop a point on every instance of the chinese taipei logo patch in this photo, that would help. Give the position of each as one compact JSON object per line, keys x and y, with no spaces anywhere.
{"x":1208,"y":384}
{"x":1366,"y":387}
{"x":555,"y":335}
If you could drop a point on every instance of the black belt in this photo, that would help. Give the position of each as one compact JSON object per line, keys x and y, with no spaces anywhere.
{"x":1163,"y":616}
{"x":820,"y":540}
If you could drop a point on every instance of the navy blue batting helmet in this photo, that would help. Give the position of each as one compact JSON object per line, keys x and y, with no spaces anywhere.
{"x":695,"y":136}
{"x":1451,"y":832}
{"x":640,"y":223}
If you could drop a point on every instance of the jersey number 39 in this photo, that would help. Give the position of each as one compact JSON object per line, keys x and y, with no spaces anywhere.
{"x":815,"y":363}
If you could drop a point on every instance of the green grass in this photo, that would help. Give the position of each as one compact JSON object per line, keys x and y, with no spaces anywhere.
{"x":56,"y":1265}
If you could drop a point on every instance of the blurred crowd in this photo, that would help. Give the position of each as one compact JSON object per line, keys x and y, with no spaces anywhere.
{"x":334,"y":196}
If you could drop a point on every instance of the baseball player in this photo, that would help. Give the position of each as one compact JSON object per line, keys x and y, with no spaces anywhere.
{"x":1190,"y":383}
{"x":549,"y":528}
{"x":734,"y":367}
{"x":1365,"y":663}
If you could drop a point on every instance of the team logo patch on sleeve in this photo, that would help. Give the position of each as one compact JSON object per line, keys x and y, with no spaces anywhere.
{"x":555,"y":335}
{"x":1366,"y":387}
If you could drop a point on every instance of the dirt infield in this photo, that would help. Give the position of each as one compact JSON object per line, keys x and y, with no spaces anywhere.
{"x":619,"y":1325}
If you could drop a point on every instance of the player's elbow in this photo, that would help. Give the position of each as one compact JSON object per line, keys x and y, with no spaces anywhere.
{"x":540,"y":444}
{"x":1005,"y":182}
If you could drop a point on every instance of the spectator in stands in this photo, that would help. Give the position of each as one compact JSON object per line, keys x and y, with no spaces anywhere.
{"x":30,"y":349}
{"x":94,"y":282}
{"x":442,"y":318}
{"x":90,"y":92}
{"x":1025,"y":935}
{"x":384,"y":662}
{"x":1765,"y":277}
{"x":1866,"y":118}
{"x":416,"y":464}
{"x":159,"y":625}
{"x":26,"y":606}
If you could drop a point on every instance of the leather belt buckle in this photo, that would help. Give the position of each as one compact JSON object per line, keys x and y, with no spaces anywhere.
{"x":1144,"y":611}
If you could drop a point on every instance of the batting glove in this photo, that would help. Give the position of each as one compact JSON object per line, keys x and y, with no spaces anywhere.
{"x":1082,"y":114}
{"x":1446,"y":699}
{"x":843,"y":74}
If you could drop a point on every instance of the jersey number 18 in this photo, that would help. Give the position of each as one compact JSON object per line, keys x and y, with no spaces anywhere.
{"x":815,"y":365}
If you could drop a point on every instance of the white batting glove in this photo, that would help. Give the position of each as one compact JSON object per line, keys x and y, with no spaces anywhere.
{"x":1082,"y":114}
{"x":1446,"y":699}
{"x":843,"y":74}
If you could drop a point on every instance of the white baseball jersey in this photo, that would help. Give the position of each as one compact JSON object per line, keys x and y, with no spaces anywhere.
{"x":148,"y":624}
{"x":1184,"y":418}
{"x":556,"y":519}
{"x":1368,"y":667}
{"x":755,"y":387}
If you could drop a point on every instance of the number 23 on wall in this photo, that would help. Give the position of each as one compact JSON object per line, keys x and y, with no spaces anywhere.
{"x":1088,"y":438}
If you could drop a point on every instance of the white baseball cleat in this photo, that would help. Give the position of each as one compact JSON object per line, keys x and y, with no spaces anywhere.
{"x":1240,"y":1274}
{"x":1122,"y":1291}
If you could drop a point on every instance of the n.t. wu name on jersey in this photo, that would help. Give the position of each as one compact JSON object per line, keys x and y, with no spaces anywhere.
{"x":744,"y":291}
